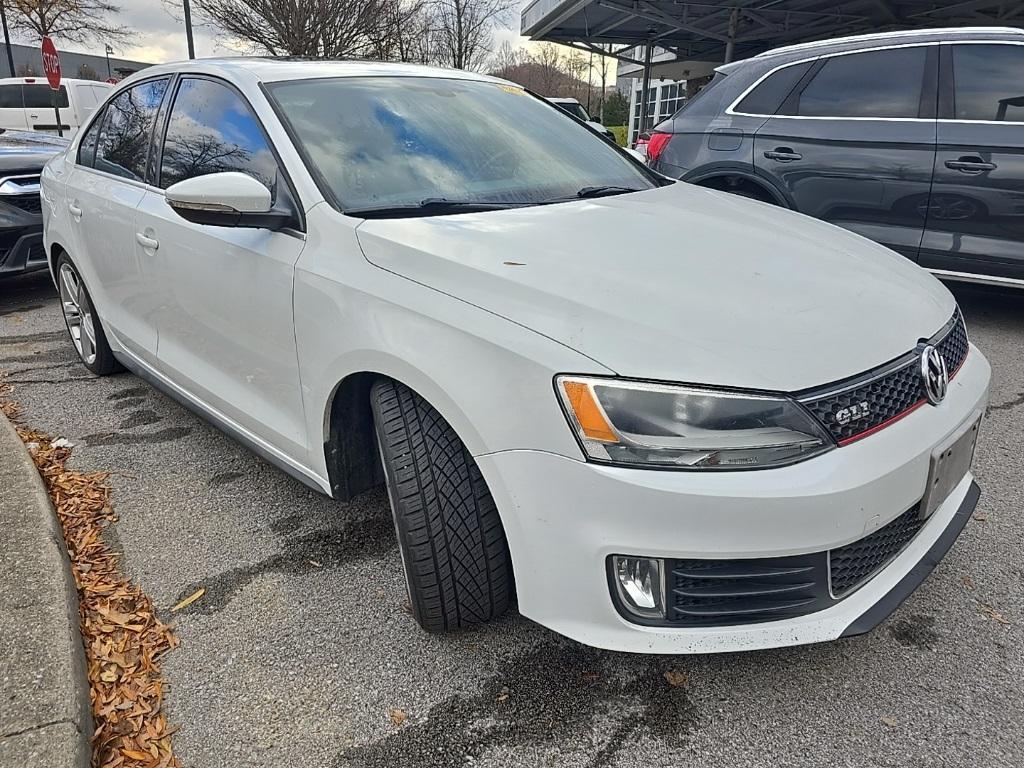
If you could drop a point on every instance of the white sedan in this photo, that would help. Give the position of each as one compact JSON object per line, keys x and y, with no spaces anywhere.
{"x":663,"y":418}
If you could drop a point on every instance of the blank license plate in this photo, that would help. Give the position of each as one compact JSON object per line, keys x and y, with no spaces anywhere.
{"x":950,"y":462}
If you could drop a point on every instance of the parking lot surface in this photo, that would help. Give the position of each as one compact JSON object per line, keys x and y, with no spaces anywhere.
{"x":302,"y":646}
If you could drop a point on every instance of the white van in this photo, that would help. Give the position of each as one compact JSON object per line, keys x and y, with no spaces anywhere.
{"x":26,"y":103}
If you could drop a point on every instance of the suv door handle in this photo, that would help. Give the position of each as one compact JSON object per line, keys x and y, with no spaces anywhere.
{"x":75,"y":211}
{"x":783,"y":154}
{"x":147,"y":242}
{"x":970,"y":164}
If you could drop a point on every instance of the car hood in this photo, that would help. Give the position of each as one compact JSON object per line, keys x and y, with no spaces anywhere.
{"x":678,"y":284}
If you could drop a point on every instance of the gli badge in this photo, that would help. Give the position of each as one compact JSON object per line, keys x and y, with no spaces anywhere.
{"x":854,"y":412}
{"x":934,"y":374}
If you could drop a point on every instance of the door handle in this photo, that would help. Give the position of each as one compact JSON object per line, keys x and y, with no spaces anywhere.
{"x":147,"y":242}
{"x":75,"y":211}
{"x":34,"y":117}
{"x":970,"y":164}
{"x":783,"y":154}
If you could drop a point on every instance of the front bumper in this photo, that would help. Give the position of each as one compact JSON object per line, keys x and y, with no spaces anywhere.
{"x":563,"y":517}
{"x":22,"y":251}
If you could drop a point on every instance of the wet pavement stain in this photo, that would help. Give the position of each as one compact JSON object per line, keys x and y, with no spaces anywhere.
{"x":550,"y":696}
{"x":19,"y":310}
{"x":307,"y":553}
{"x":116,"y":438}
{"x":915,"y":631}
{"x":140,"y":419}
{"x":130,"y":402}
{"x":1007,"y":406}
{"x":223,"y":478}
{"x":27,"y":337}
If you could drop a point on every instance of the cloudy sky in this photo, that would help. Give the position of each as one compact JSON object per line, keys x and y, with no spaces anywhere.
{"x":160,"y":37}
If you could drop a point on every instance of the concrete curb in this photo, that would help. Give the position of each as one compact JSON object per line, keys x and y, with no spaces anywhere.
{"x":45,"y":719}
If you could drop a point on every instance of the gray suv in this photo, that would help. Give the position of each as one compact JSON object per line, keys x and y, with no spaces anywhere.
{"x":913,"y":139}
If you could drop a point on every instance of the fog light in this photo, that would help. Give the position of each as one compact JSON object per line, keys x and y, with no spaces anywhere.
{"x":640,"y":584}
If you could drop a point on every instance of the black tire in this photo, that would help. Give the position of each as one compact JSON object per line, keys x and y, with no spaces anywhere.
{"x":457,"y":565}
{"x":104,"y":363}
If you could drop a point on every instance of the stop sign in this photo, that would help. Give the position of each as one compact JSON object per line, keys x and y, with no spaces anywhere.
{"x":51,"y":63}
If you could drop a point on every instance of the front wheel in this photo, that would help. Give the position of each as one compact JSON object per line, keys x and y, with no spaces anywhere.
{"x":81,"y":320}
{"x":456,"y":560}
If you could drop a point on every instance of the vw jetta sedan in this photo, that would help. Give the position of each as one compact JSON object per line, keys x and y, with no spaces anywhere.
{"x":663,"y":418}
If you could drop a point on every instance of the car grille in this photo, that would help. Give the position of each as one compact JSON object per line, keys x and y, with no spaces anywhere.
{"x":851,"y":565}
{"x":31,"y":203}
{"x":705,"y":593}
{"x":854,"y":408}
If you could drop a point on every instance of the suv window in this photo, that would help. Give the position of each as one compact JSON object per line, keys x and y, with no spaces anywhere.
{"x":127,"y":127}
{"x":212,"y":129}
{"x":767,"y":97}
{"x":988,"y":82}
{"x":870,"y":84}
{"x":40,"y":96}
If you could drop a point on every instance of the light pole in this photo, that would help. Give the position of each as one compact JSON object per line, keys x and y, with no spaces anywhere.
{"x":188,"y":30}
{"x":109,"y":51}
{"x":7,"y":38}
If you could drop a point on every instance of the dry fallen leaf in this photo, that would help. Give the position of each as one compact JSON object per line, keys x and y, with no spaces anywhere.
{"x":122,"y":636}
{"x":397,"y":716}
{"x":993,"y":614}
{"x":676,"y":678}
{"x":968,"y":581}
{"x":502,"y":694}
{"x":590,"y":677}
{"x":189,"y":600}
{"x":890,"y":721}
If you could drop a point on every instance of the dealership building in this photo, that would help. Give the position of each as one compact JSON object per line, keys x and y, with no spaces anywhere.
{"x":88,"y":66}
{"x":667,"y":49}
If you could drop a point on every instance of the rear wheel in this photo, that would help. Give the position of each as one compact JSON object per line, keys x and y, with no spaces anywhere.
{"x":81,"y":320}
{"x":456,"y":560}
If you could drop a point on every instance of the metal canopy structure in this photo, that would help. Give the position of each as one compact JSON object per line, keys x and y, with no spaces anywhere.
{"x":726,"y":30}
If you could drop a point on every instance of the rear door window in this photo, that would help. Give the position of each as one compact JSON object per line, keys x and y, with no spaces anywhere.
{"x":769,"y":95}
{"x":123,"y":143}
{"x":879,"y":84}
{"x":989,"y":82}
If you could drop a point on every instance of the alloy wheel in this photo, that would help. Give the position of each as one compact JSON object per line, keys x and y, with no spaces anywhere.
{"x":74,"y":302}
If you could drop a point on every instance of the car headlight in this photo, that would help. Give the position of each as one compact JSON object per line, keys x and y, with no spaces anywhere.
{"x":664,"y":425}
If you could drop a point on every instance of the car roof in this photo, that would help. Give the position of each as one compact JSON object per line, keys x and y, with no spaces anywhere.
{"x":878,"y":39}
{"x":266,"y":69}
{"x":563,"y":100}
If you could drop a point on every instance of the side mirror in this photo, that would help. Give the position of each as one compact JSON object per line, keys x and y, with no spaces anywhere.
{"x":227,"y":199}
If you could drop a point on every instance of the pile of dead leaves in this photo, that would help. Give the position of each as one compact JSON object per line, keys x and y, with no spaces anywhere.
{"x":124,"y":640}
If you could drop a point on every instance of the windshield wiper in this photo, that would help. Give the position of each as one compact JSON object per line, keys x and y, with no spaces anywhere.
{"x":431,"y":206}
{"x":588,"y":192}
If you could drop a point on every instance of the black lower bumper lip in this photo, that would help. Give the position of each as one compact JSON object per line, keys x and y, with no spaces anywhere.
{"x":877,"y":613}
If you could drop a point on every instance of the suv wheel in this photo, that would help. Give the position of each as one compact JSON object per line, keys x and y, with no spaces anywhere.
{"x":457,"y":566}
{"x":82,"y":322}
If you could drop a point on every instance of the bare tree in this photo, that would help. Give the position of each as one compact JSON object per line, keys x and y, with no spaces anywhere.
{"x":316,"y":28}
{"x":74,"y":21}
{"x":603,"y":65}
{"x":507,"y":57}
{"x":465,"y":30}
{"x":404,"y":32}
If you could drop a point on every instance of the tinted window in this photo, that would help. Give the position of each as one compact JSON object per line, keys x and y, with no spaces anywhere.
{"x":870,"y":84}
{"x":767,"y":97}
{"x":127,"y":128}
{"x":10,"y":97}
{"x":39,"y":96}
{"x":989,"y":82}
{"x":87,"y":146}
{"x":376,"y":141}
{"x":211,"y":130}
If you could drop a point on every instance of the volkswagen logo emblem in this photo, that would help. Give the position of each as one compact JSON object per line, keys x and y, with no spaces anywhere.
{"x":934,"y":374}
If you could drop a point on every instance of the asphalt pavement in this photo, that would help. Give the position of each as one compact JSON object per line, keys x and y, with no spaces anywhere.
{"x":302,"y":644}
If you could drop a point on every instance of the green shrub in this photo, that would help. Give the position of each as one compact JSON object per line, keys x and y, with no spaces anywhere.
{"x":620,"y":134}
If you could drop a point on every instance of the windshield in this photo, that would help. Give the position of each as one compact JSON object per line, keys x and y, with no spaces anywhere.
{"x":576,"y":110}
{"x":394,"y":141}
